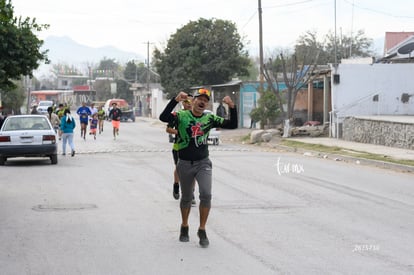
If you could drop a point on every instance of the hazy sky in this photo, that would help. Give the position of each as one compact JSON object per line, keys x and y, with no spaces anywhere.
{"x":129,"y":24}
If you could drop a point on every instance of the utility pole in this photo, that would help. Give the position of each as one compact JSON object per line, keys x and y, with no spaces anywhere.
{"x":148,"y":81}
{"x":148,"y":68}
{"x":148,"y":65}
{"x":28,"y":85}
{"x":261,"y":46}
{"x":261,"y":65}
{"x":335,"y":46}
{"x":136,"y":71}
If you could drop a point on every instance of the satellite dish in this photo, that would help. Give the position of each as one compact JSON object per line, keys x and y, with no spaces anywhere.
{"x":406,"y":49}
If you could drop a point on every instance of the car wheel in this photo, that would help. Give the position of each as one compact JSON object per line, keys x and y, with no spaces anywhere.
{"x":54,"y":159}
{"x":2,"y":160}
{"x":216,"y":141}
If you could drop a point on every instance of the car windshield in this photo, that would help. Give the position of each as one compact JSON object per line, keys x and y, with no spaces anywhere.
{"x":120,"y":103}
{"x":45,"y":103}
{"x":26,"y":123}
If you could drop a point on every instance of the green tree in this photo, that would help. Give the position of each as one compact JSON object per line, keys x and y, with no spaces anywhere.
{"x":308,"y":45}
{"x":294,"y":73}
{"x":268,"y":109}
{"x":20,"y":52}
{"x":131,"y":72}
{"x":14,"y":98}
{"x":107,"y":68}
{"x":103,"y":89}
{"x":202,"y":52}
{"x":104,"y":74}
{"x":357,"y":45}
{"x":138,"y":72}
{"x":253,"y":71}
{"x":123,"y":91}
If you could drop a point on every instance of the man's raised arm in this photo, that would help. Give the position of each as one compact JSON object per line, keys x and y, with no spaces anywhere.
{"x":166,"y":115}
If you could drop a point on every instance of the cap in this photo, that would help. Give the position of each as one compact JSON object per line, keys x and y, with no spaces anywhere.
{"x":202,"y":91}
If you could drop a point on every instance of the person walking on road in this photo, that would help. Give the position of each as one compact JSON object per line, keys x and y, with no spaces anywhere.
{"x":115,"y":115}
{"x":34,"y":110}
{"x":94,"y":125}
{"x":53,"y":118}
{"x":60,"y":113}
{"x":193,"y":128}
{"x":221,"y":110}
{"x":93,"y":109}
{"x":101,"y":118}
{"x":84,"y":112}
{"x":67,"y":125}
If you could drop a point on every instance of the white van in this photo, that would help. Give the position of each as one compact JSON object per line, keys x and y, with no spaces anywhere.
{"x":43,"y":105}
{"x":127,"y":111}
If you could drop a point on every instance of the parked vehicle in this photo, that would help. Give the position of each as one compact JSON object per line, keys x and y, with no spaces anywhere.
{"x":127,"y":110}
{"x":43,"y":105}
{"x":214,"y":135}
{"x":27,"y":136}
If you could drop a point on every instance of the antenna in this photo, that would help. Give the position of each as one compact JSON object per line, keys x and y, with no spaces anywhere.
{"x":352,"y":27}
{"x":335,"y":46}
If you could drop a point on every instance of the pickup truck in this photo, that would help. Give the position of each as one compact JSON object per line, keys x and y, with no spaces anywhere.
{"x":127,"y":110}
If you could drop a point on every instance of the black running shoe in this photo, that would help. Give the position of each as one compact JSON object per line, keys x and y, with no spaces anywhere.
{"x":204,"y":242}
{"x":184,"y":234}
{"x":176,"y":191}
{"x":73,"y":153}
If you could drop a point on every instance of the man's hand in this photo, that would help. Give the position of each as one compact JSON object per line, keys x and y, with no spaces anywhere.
{"x":228,"y":101}
{"x":181,"y":96}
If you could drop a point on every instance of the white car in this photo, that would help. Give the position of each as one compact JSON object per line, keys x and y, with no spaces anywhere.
{"x":43,"y":105}
{"x":214,"y":135}
{"x":27,"y":136}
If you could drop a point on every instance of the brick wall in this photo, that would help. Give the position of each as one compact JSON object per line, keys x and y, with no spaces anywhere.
{"x":388,"y":133}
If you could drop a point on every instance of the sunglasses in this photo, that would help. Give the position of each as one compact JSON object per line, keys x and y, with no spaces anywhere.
{"x":187,"y":101}
{"x":204,"y":92}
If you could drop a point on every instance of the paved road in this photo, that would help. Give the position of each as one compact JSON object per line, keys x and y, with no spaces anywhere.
{"x":109,"y":210}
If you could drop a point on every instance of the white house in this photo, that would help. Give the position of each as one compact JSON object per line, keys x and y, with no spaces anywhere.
{"x":373,"y":89}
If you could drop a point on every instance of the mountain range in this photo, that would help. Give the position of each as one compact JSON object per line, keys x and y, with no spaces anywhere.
{"x":64,"y":50}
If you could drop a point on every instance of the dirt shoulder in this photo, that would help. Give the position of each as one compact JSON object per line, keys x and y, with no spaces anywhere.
{"x":336,"y":153}
{"x":235,"y":135}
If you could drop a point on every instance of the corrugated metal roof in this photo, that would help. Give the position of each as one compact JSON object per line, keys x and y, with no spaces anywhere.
{"x":228,"y":84}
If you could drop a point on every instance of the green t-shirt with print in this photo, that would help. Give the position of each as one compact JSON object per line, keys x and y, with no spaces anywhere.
{"x":193,"y":133}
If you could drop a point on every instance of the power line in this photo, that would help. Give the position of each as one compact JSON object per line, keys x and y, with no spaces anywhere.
{"x":250,"y":19}
{"x":280,"y":6}
{"x":378,"y":11}
{"x":299,"y":6}
{"x":289,"y":4}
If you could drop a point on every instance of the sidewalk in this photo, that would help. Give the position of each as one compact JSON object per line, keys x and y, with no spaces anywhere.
{"x":392,"y":152}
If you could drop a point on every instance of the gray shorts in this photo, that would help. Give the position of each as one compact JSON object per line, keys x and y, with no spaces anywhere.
{"x":200,"y":170}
